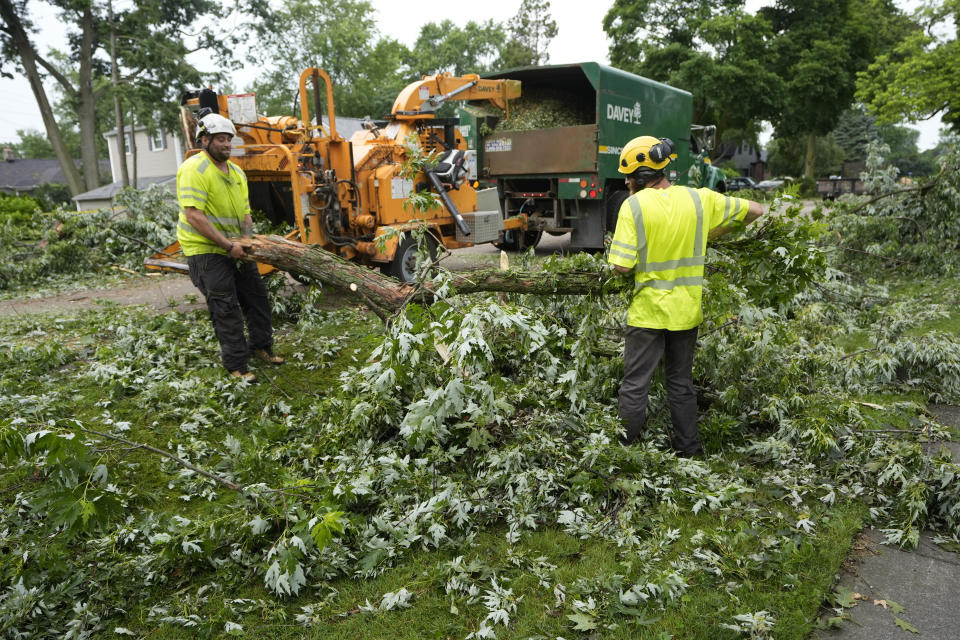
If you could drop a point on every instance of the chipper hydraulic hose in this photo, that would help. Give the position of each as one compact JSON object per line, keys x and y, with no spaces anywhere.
{"x":452,"y":208}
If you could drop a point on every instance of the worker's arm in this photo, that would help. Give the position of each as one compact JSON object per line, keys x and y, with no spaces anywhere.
{"x":754,"y":211}
{"x":247,"y":226}
{"x":199,"y":221}
{"x":622,"y":269}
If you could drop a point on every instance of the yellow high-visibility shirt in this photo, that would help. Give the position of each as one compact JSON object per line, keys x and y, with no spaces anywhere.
{"x":662,"y":235}
{"x":223,"y":198}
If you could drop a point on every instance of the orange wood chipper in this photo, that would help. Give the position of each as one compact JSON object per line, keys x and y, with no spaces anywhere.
{"x":350,"y":196}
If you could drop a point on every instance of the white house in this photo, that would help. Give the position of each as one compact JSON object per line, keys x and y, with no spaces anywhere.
{"x":157,"y":158}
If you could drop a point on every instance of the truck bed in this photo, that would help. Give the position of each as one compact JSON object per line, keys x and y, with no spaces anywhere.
{"x":541,"y":151}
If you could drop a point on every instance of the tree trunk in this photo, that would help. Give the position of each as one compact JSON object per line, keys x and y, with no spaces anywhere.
{"x":809,"y":164}
{"x":387,"y":295}
{"x":117,"y":109}
{"x":28,"y":59}
{"x":87,"y":103}
{"x":133,"y":147}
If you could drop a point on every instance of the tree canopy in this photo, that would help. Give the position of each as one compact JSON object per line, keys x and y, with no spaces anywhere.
{"x":530,"y":32}
{"x":793,"y":63}
{"x":151,"y":52}
{"x":919,"y":77}
{"x":715,"y":50}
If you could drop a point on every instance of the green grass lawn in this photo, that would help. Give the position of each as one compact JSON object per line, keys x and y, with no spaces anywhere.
{"x":154,"y":378}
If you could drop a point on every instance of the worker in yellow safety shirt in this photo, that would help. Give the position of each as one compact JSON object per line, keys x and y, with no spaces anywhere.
{"x":214,"y":207}
{"x":661,"y":236}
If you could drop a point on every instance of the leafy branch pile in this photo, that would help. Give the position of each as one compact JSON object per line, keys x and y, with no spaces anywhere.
{"x":473,"y":415}
{"x":903,"y":228}
{"x":40,"y":247}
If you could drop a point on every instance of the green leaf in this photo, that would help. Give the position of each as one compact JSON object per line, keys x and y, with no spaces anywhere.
{"x":895,"y":608}
{"x":844,"y":597}
{"x":322,"y":532}
{"x":87,"y":509}
{"x":903,"y":624}
{"x":372,"y":559}
{"x":583,"y":621}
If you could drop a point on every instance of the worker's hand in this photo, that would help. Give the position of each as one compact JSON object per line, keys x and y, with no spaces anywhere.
{"x":237,"y":251}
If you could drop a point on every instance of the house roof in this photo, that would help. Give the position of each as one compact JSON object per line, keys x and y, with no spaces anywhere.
{"x":26,"y":174}
{"x":108,"y":191}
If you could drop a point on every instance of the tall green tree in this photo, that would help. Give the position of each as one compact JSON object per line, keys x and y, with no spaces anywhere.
{"x":713,"y":49}
{"x":857,"y":128}
{"x":818,"y":48}
{"x":854,"y":131}
{"x":920,"y":76}
{"x":530,"y":32}
{"x":338,"y":36}
{"x":445,"y":47}
{"x":151,"y":49}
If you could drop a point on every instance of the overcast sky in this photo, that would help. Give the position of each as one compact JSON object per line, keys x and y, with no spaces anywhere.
{"x":580,"y":38}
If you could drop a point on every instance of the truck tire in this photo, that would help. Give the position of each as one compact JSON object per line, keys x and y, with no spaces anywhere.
{"x":404,"y":262}
{"x":511,"y":239}
{"x":614,"y":201}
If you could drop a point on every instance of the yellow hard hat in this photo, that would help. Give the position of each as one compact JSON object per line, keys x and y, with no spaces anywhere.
{"x":646,"y":151}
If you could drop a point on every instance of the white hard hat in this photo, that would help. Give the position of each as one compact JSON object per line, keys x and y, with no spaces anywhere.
{"x":214,"y":123}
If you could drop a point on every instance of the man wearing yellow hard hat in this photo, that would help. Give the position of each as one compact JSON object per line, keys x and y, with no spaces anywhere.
{"x":661,"y":237}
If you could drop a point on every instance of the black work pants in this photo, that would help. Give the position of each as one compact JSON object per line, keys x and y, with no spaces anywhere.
{"x":234,"y":292}
{"x":644,"y":348}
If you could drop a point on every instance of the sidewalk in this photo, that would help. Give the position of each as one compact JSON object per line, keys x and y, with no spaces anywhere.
{"x":899,"y":594}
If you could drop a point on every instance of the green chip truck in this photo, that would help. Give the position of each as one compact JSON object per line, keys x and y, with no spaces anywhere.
{"x":553,"y":156}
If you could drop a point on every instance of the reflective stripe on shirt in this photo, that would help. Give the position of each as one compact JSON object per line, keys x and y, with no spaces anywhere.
{"x":698,"y":239}
{"x":641,"y":233}
{"x":668,"y":285}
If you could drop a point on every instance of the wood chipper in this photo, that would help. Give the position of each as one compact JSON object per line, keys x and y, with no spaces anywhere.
{"x":349,"y":196}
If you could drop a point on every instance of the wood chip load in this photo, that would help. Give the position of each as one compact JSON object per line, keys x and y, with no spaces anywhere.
{"x":541,"y":108}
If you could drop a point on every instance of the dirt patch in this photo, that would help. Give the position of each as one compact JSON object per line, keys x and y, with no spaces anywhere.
{"x":157,"y":291}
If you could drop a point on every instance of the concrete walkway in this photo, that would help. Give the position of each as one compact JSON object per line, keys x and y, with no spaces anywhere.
{"x":896,"y":592}
{"x":901,"y":594}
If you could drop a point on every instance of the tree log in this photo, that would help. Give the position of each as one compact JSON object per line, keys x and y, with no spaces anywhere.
{"x":386,"y":294}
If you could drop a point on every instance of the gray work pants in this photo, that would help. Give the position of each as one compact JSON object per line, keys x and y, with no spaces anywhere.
{"x":234,"y":293}
{"x":644,"y":348}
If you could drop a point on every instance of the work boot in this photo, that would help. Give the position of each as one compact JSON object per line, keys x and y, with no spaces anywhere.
{"x":246,"y":376}
{"x":267,"y":356}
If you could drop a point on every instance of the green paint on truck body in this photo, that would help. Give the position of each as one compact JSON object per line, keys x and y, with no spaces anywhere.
{"x":625,"y":106}
{"x":538,"y":169}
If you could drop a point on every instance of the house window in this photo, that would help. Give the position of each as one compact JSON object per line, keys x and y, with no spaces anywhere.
{"x":158,"y":141}
{"x":127,"y":142}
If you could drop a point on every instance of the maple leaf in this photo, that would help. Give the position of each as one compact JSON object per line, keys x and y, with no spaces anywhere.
{"x":906,"y":626}
{"x":846,"y":598}
{"x":895,"y":608}
{"x":583,"y":621}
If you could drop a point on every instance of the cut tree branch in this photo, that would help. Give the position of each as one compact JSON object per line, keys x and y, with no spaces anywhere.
{"x":166,"y":454}
{"x":922,"y":187}
{"x":391,"y":295}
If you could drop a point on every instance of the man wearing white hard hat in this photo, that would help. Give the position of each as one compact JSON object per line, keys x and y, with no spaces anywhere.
{"x":214,"y":207}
